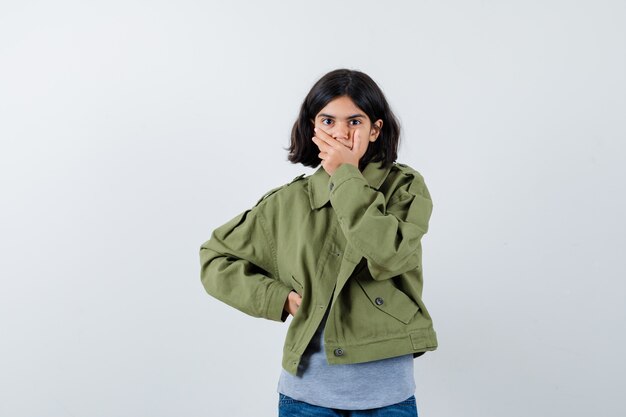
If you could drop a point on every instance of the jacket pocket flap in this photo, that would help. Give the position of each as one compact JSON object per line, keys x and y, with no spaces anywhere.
{"x":386,"y":297}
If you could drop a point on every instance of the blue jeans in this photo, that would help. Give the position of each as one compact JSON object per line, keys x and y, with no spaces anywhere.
{"x":289,"y":407}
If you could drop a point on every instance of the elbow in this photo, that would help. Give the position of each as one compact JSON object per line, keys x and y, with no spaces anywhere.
{"x":406,"y":256}
{"x":209,"y":269}
{"x":393,"y":266}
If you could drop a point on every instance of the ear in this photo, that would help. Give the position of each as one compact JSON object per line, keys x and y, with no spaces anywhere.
{"x":375,"y":130}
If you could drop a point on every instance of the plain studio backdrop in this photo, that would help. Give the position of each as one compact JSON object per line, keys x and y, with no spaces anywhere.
{"x":131,"y":129}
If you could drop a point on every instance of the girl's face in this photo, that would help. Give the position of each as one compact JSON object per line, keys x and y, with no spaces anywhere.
{"x":341,"y":118}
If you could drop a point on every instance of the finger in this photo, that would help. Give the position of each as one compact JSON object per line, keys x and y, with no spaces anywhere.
{"x":360,"y":143}
{"x":356,"y":145}
{"x":320,"y":134}
{"x":345,"y":142}
{"x":330,"y":140}
{"x":323,"y":146}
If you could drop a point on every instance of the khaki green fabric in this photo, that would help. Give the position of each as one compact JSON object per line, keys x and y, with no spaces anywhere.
{"x":350,"y":242}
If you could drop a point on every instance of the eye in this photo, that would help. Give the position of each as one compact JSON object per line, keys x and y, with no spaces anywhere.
{"x":324,"y":121}
{"x":357,"y":122}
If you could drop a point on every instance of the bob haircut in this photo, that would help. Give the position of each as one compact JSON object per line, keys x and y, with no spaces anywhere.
{"x":366,"y":94}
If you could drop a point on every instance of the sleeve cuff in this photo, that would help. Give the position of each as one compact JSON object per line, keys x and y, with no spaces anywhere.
{"x":276,"y":306}
{"x":344,"y":173}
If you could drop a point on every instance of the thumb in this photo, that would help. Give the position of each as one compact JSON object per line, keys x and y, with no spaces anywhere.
{"x":356,"y":143}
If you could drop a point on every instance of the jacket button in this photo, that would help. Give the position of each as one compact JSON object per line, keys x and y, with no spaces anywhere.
{"x":331,"y":185}
{"x":338,"y":352}
{"x":378,"y":301}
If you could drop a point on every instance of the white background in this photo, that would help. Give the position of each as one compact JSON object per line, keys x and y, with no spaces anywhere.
{"x":130,"y":130}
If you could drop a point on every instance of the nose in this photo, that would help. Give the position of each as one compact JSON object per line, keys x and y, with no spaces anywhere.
{"x":341,"y":131}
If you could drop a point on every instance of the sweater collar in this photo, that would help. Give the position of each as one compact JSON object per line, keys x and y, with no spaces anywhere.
{"x":319,"y":193}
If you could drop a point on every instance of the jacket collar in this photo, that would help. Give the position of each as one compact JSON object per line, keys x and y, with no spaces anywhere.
{"x":319,"y":193}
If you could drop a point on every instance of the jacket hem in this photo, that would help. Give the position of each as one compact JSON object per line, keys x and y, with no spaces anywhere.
{"x":415,"y":342}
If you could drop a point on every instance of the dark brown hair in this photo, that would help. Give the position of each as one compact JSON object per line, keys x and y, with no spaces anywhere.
{"x":366,"y":94}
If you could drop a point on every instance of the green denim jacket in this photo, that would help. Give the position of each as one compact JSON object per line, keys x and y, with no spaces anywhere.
{"x":350,"y":242}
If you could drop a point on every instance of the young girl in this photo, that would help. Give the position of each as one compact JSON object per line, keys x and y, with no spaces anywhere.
{"x":340,"y":251}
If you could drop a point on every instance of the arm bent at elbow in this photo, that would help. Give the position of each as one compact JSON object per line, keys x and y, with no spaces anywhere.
{"x":237,"y":267}
{"x":388,"y":235}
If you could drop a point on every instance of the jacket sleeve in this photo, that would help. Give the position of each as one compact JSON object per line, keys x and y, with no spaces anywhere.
{"x":387,"y":234}
{"x":238,"y":267}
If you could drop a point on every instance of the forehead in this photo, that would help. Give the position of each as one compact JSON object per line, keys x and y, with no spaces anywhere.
{"x":341,"y":107}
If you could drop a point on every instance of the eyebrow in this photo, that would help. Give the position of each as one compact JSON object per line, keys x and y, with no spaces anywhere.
{"x":354,"y":116}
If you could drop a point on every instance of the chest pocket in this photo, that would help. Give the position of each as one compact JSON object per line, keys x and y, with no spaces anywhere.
{"x":386,"y":297}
